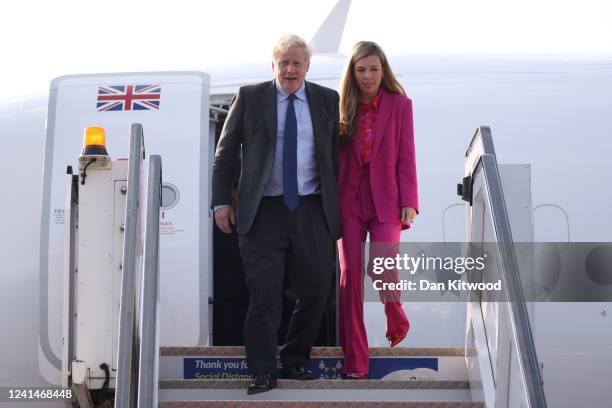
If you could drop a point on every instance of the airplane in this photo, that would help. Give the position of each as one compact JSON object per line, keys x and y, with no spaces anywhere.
{"x":548,"y":117}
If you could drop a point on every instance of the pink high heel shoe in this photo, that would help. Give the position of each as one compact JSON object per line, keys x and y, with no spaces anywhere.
{"x":396,"y":338}
{"x":356,"y":376}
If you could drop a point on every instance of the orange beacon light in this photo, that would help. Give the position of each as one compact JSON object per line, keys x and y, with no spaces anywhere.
{"x":94,"y":143}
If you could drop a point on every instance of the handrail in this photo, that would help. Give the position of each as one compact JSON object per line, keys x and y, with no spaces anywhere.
{"x":127,"y":354}
{"x":149,"y":339}
{"x":482,"y":147}
{"x":482,"y":143}
{"x":70,"y":218}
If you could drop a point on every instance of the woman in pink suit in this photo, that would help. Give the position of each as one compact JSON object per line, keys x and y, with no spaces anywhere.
{"x":378,"y":191}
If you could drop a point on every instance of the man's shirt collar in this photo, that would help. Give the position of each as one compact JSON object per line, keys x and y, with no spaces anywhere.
{"x":281,"y":95}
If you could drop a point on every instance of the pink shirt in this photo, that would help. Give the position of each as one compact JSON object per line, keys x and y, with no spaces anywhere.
{"x":367,"y":127}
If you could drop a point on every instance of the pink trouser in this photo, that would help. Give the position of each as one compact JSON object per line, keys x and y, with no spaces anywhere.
{"x":359,"y":218}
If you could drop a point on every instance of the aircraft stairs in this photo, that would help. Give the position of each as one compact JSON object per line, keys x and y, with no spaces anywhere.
{"x":326,"y":391}
{"x":496,"y":367}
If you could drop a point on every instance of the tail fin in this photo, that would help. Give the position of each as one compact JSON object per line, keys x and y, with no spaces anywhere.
{"x":327,"y":38}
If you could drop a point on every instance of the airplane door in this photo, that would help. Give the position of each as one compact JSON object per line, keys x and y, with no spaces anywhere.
{"x":173,"y":108}
{"x":229,"y":295}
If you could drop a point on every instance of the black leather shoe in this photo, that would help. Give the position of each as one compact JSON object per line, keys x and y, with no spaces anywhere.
{"x":297,"y":373}
{"x":262,"y":383}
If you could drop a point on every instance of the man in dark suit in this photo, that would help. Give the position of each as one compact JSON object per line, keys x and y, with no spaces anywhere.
{"x":287,"y":133}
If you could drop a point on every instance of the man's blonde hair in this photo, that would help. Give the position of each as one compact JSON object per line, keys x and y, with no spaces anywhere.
{"x":291,"y":40}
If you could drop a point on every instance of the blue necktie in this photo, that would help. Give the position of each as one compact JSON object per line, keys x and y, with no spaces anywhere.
{"x":290,"y":189}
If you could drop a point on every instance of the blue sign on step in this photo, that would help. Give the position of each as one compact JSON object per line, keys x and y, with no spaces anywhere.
{"x":236,"y":368}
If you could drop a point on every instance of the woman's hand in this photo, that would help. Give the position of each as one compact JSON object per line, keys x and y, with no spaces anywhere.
{"x":408,"y":215}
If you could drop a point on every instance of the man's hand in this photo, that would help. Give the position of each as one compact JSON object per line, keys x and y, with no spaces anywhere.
{"x":225,"y":217}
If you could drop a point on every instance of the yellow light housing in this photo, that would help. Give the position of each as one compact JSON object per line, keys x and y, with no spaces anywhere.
{"x":94,"y":143}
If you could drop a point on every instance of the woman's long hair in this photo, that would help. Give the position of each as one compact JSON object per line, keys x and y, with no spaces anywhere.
{"x":349,"y":90}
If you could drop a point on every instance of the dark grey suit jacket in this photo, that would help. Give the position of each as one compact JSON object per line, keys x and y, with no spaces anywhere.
{"x":251,"y":125}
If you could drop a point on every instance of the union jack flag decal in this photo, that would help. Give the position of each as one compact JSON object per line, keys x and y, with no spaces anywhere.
{"x":128,"y":97}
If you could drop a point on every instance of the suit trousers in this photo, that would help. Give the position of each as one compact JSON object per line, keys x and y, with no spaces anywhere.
{"x":302,"y":238}
{"x":359,"y":218}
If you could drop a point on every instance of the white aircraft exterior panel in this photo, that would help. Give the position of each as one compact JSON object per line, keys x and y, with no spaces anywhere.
{"x":178,"y":131}
{"x":98,"y":267}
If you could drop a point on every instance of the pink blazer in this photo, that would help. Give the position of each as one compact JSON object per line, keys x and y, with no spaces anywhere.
{"x":393,"y":176}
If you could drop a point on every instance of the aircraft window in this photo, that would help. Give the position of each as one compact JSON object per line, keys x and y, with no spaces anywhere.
{"x":170,"y":196}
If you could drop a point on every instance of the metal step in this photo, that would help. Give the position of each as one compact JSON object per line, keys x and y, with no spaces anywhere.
{"x":317,"y":384}
{"x":318,"y":404}
{"x":398,"y":363}
{"x":238,"y":351}
{"x":317,"y":390}
{"x":448,"y":389}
